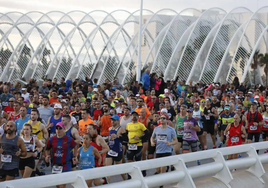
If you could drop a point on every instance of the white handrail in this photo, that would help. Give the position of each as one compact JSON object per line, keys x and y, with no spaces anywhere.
{"x":182,"y":175}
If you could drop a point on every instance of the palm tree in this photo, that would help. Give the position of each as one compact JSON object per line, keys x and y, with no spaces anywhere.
{"x":264,"y":62}
{"x":256,"y":62}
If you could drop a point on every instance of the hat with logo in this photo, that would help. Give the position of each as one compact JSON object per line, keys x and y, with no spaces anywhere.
{"x":115,"y":117}
{"x":57,"y":105}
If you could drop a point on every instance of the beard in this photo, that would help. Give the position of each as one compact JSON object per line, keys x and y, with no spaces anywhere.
{"x":134,"y":118}
{"x":105,"y":110}
{"x":8,"y":131}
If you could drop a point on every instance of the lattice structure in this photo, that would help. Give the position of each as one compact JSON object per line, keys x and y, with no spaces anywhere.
{"x":209,"y":45}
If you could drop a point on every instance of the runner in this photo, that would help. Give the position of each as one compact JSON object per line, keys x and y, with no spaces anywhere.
{"x":83,"y":123}
{"x":45,"y":111}
{"x":86,"y":156}
{"x":11,"y":148}
{"x":190,"y":133}
{"x":105,"y":122}
{"x":33,"y":147}
{"x":163,"y":138}
{"x":236,"y":132}
{"x":61,"y":146}
{"x":13,"y":116}
{"x":151,"y":126}
{"x":115,"y":153}
{"x":254,"y":122}
{"x":265,"y":126}
{"x":53,"y":120}
{"x":179,"y":128}
{"x":22,"y":120}
{"x":197,"y":114}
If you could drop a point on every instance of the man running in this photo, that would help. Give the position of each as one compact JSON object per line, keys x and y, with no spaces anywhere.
{"x":105,"y":122}
{"x":45,"y":111}
{"x":179,"y":127}
{"x":22,"y":120}
{"x":53,"y":120}
{"x":12,"y":148}
{"x":13,"y":116}
{"x":83,"y":123}
{"x":61,"y":146}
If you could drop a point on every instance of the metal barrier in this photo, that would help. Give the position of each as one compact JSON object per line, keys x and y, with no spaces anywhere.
{"x":183,"y":176}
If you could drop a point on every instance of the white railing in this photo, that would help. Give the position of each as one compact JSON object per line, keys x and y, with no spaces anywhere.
{"x":220,"y":168}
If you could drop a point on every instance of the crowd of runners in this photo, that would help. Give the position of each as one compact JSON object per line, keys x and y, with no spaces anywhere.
{"x":75,"y":125}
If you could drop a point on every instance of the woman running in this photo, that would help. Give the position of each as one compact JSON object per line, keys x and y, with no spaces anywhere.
{"x":86,"y":155}
{"x":33,"y":147}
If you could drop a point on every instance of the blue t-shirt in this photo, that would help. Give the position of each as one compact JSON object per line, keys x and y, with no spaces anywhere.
{"x":162,"y":136}
{"x":19,"y":124}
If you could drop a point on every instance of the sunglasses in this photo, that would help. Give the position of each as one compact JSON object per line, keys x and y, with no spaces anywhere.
{"x":139,"y":101}
{"x":163,"y":118}
{"x":11,"y":101}
{"x":58,"y":128}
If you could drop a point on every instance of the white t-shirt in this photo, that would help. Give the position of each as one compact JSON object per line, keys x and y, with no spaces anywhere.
{"x":73,"y":120}
{"x":25,"y":96}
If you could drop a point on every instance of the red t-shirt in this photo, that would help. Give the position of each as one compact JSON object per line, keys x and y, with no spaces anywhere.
{"x":251,"y":127}
{"x":96,"y":114}
{"x":8,"y":109}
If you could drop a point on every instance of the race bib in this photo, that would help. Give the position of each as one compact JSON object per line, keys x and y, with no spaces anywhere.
{"x":6,"y":158}
{"x":161,"y":138}
{"x":180,"y":131}
{"x":187,"y":135}
{"x":234,"y":139}
{"x":113,"y":153}
{"x":207,"y":117}
{"x":265,"y":125}
{"x":52,"y":134}
{"x":57,"y":169}
{"x":253,"y":128}
{"x":4,"y":103}
{"x":132,"y":147}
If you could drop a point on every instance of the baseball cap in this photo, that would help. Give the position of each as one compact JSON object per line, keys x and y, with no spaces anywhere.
{"x":121,"y":100}
{"x":164,"y":110}
{"x":116,"y":101}
{"x":63,"y":100}
{"x":257,"y":96}
{"x":227,"y":108}
{"x":162,"y":104}
{"x":60,"y":124}
{"x":189,"y":110}
{"x":166,"y":91}
{"x":26,"y":101}
{"x":250,"y":92}
{"x":23,"y":89}
{"x":254,"y":103}
{"x":115,"y":117}
{"x":57,"y":105}
{"x":162,"y":96}
{"x":95,"y":89}
{"x":134,"y":113}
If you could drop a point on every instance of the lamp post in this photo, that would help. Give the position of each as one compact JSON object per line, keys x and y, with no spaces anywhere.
{"x":140,"y":43}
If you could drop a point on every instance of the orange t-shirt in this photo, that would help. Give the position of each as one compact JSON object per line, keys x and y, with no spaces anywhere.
{"x":147,"y":111}
{"x":106,"y":123}
{"x":83,"y":126}
{"x":52,"y":100}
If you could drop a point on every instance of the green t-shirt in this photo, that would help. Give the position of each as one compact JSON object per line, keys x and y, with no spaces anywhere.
{"x":90,"y":95}
{"x":180,"y":126}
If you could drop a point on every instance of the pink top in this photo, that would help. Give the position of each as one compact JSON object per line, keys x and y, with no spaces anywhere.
{"x":157,"y":84}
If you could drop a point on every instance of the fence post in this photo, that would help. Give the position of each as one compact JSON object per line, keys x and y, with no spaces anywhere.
{"x":137,"y":175}
{"x":187,"y":181}
{"x":80,"y":182}
{"x":224,"y":175}
{"x":256,"y":169}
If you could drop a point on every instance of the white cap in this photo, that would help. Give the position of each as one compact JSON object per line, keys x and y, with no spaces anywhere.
{"x":95,"y":89}
{"x":249,"y":92}
{"x":63,"y":100}
{"x":257,"y":96}
{"x":23,"y":89}
{"x":164,"y":110}
{"x":166,"y":91}
{"x":57,"y":105}
{"x":137,"y":95}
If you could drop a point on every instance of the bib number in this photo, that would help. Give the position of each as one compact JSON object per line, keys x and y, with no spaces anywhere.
{"x":253,"y":128}
{"x":6,"y":158}
{"x":161,"y":138}
{"x":4,"y":103}
{"x":113,"y":153}
{"x":265,"y":125}
{"x":52,"y":134}
{"x":132,"y":147}
{"x":57,"y":169}
{"x":180,"y":131}
{"x":187,"y":135}
{"x":207,"y":117}
{"x":234,"y":139}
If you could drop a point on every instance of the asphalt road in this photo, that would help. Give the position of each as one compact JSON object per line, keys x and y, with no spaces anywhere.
{"x":152,"y":171}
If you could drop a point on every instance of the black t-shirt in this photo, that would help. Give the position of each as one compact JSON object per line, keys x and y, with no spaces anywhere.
{"x":208,"y":119}
{"x":217,"y":104}
{"x":171,"y":113}
{"x":156,"y":106}
{"x":151,"y":126}
{"x":77,"y":116}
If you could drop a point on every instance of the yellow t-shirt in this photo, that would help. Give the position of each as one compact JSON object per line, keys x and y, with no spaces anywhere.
{"x":135,"y":129}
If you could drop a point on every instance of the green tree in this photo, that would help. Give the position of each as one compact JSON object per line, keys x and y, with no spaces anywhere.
{"x":264,"y":62}
{"x":44,"y":61}
{"x":256,"y":62}
{"x":24,"y":58}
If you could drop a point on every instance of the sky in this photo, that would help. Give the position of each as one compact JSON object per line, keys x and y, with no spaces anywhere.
{"x":130,"y":5}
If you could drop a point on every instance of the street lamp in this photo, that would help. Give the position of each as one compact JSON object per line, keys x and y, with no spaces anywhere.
{"x":140,"y":44}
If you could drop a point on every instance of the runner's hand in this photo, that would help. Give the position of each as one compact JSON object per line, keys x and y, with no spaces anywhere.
{"x":152,"y":144}
{"x":168,"y":143}
{"x":75,"y":160}
{"x":136,"y":138}
{"x":255,"y":123}
{"x":18,"y":153}
{"x":34,"y":154}
{"x":113,"y":135}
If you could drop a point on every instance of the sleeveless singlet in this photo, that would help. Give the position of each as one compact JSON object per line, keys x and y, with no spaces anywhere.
{"x":14,"y":117}
{"x":9,"y":160}
{"x":144,"y":122}
{"x":2,"y":129}
{"x":99,"y":148}
{"x":123,"y":122}
{"x":87,"y":159}
{"x":115,"y":144}
{"x":235,"y":135}
{"x":265,"y":125}
{"x":180,"y":126}
{"x":69,"y":132}
{"x":29,"y":144}
{"x":36,"y":130}
{"x":54,"y":121}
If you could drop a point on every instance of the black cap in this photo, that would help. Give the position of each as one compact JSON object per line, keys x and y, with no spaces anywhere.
{"x":127,"y":107}
{"x":134,"y":113}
